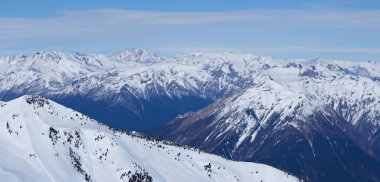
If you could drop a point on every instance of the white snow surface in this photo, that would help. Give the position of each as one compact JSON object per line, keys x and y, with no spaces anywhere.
{"x":44,"y":141}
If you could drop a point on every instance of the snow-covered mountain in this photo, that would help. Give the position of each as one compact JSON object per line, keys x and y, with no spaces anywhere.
{"x":271,"y":124}
{"x":317,"y":119}
{"x":132,"y":89}
{"x":44,"y":141}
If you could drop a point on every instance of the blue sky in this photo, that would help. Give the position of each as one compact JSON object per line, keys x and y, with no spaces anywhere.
{"x":341,"y":29}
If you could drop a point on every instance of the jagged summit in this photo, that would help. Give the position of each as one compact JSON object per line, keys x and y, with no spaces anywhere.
{"x":36,"y":100}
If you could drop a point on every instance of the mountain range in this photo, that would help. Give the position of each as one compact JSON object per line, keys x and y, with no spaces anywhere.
{"x":316,"y":119}
{"x":126,"y":90}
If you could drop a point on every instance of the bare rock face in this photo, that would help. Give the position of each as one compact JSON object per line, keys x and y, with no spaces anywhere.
{"x":36,"y":100}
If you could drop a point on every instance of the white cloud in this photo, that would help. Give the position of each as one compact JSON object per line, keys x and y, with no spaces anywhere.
{"x":278,"y":31}
{"x":338,"y":19}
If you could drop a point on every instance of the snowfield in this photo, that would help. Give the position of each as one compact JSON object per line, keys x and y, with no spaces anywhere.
{"x":44,"y":141}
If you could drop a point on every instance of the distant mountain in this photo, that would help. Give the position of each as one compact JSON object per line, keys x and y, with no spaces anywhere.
{"x":131,"y":89}
{"x":44,"y":141}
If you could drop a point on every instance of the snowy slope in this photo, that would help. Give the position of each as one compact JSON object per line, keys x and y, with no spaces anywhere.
{"x":44,"y":141}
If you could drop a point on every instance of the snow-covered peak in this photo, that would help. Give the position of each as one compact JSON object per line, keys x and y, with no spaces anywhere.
{"x":44,"y":141}
{"x":136,"y":55}
{"x":50,"y":61}
{"x":49,"y":56}
{"x":254,"y":108}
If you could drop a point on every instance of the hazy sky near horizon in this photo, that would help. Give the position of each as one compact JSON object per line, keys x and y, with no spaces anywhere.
{"x":338,"y":29}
